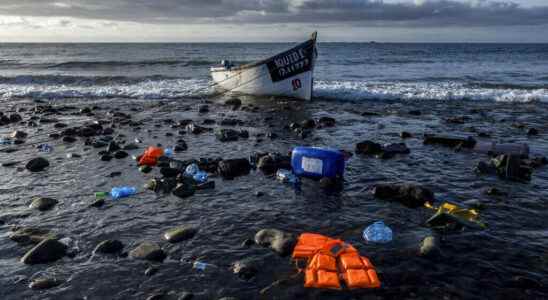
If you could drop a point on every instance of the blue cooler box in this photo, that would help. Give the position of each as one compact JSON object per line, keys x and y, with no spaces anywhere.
{"x":317,"y":162}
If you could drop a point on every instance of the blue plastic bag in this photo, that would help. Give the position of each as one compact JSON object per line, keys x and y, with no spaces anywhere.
{"x":378,"y":232}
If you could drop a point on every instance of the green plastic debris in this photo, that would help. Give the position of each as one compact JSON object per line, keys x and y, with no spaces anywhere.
{"x":101,"y":195}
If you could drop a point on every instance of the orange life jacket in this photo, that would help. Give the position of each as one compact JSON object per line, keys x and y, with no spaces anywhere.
{"x":150,"y":157}
{"x":330,"y":261}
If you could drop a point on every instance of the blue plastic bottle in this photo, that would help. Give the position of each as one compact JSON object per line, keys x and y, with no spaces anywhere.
{"x":191,"y":170}
{"x":122,"y":192}
{"x":378,"y":232}
{"x":200,"y":176}
{"x":168,"y":152}
{"x":317,"y":162}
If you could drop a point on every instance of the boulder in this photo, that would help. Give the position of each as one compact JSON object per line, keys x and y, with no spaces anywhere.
{"x":410,"y":195}
{"x":230,"y":168}
{"x":180,"y":233}
{"x":148,"y":251}
{"x":37,"y":164}
{"x":46,"y":251}
{"x":279,"y":241}
{"x":43,"y":203}
{"x":109,"y":247}
{"x":368,"y":148}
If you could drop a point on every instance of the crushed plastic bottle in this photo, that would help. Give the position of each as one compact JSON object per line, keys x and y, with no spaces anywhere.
{"x":45,"y":148}
{"x":378,"y":232}
{"x":5,"y":141}
{"x":287,"y":176}
{"x":200,"y":176}
{"x":101,"y":195}
{"x":191,"y":170}
{"x":122,"y":192}
{"x":168,"y":152}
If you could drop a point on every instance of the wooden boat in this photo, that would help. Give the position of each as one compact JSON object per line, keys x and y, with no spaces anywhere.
{"x":289,"y":73}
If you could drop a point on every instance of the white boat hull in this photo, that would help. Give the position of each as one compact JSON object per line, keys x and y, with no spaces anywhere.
{"x":287,"y":74}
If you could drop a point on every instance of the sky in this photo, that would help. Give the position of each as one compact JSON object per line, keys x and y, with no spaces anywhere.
{"x":273,"y":20}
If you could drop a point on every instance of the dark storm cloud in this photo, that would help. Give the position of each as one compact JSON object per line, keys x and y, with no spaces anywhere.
{"x":366,"y":12}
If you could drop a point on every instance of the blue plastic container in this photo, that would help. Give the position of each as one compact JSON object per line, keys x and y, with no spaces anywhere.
{"x":317,"y":162}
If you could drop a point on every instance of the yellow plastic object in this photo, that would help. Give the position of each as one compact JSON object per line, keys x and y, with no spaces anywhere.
{"x":467,"y":216}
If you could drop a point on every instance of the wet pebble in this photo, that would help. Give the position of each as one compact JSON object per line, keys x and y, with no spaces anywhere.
{"x":245,"y":269}
{"x":120,"y":154}
{"x":429,"y":247}
{"x":180,"y":233}
{"x":148,"y":251}
{"x":46,"y":251}
{"x":37,"y":164}
{"x":43,"y":203}
{"x":44,"y":283}
{"x":106,"y":157}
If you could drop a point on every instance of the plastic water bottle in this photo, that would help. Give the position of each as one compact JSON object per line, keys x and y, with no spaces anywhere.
{"x":101,"y":195}
{"x":191,"y":170}
{"x":200,"y":176}
{"x":378,"y":232}
{"x":168,"y":152}
{"x":122,"y":192}
{"x":202,"y":266}
{"x":45,"y":148}
{"x":5,"y":141}
{"x":287,"y":176}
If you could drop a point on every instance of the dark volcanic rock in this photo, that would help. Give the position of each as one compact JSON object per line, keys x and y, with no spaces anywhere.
{"x":184,"y":190}
{"x":368,"y":148}
{"x":44,"y":283}
{"x":109,"y":247}
{"x":326,"y":122}
{"x":69,"y":139}
{"x":180,"y":233}
{"x":106,"y":157}
{"x":130,"y":146}
{"x":43,"y":203}
{"x":30,"y":235}
{"x":113,"y":147}
{"x":245,"y":269}
{"x":235,"y":102}
{"x":46,"y":251}
{"x":405,"y":135}
{"x":230,"y":168}
{"x":149,"y":251}
{"x":169,"y":172}
{"x":227,"y":135}
{"x":532,"y":131}
{"x":408,"y":194}
{"x":18,"y":134}
{"x":279,"y":241}
{"x":37,"y":164}
{"x":449,"y":141}
{"x":120,"y":154}
{"x":270,"y":163}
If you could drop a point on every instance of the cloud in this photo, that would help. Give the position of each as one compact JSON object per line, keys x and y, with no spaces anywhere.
{"x":416,"y":13}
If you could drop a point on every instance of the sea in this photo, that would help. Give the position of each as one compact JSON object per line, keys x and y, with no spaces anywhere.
{"x":347,"y":71}
{"x":147,"y":95}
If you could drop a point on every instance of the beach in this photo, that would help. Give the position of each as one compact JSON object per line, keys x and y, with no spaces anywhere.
{"x":148,"y":95}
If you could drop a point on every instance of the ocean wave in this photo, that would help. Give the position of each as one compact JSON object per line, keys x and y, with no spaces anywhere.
{"x":506,"y":86}
{"x":355,"y":90}
{"x":142,"y":63}
{"x":79,"y":80}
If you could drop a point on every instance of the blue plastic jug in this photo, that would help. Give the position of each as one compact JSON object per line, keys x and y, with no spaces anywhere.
{"x":317,"y":162}
{"x":122,"y":192}
{"x":378,"y":232}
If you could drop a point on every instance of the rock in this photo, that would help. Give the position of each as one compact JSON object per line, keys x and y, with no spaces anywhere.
{"x":148,"y":251}
{"x":448,"y":141}
{"x":109,"y":247}
{"x":130,"y":146}
{"x":277,"y":240}
{"x":390,"y":150}
{"x":169,"y":172}
{"x":180,"y":233}
{"x":106,"y":157}
{"x":180,"y":147}
{"x":97,"y":203}
{"x":331,"y":184}
{"x":429,"y":247}
{"x":326,"y":122}
{"x":308,"y":124}
{"x":233,"y":102}
{"x":43,"y":203}
{"x":184,"y":190}
{"x":37,"y":164}
{"x":227,"y":135}
{"x":245,"y":269}
{"x":113,"y":147}
{"x":203,"y":109}
{"x":30,"y":235}
{"x":415,"y":112}
{"x":532,"y":131}
{"x":231,"y":122}
{"x":114,"y":174}
{"x":405,"y":135}
{"x":10,"y":163}
{"x":69,"y":139}
{"x":195,"y":129}
{"x":368,"y":148}
{"x":410,"y":195}
{"x":186,"y":296}
{"x":120,"y":154}
{"x":230,"y":168}
{"x":46,"y":251}
{"x":151,"y":271}
{"x":18,"y":134}
{"x":271,"y":162}
{"x":44,"y":283}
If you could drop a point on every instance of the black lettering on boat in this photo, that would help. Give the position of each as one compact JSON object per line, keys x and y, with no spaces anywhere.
{"x":292,"y":62}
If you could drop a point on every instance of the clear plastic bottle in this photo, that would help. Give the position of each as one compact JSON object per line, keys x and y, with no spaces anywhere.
{"x":122,"y":192}
{"x":200,"y":176}
{"x":191,"y":170}
{"x":5,"y":141}
{"x":378,"y":232}
{"x":287,"y":176}
{"x":203,"y":266}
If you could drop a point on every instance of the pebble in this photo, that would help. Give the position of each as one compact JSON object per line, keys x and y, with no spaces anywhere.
{"x":231,"y":168}
{"x":109,"y":247}
{"x":37,"y":164}
{"x":44,"y":283}
{"x":43,"y":203}
{"x":148,"y":251}
{"x":46,"y":251}
{"x":69,"y":139}
{"x":429,"y":247}
{"x":180,"y":233}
